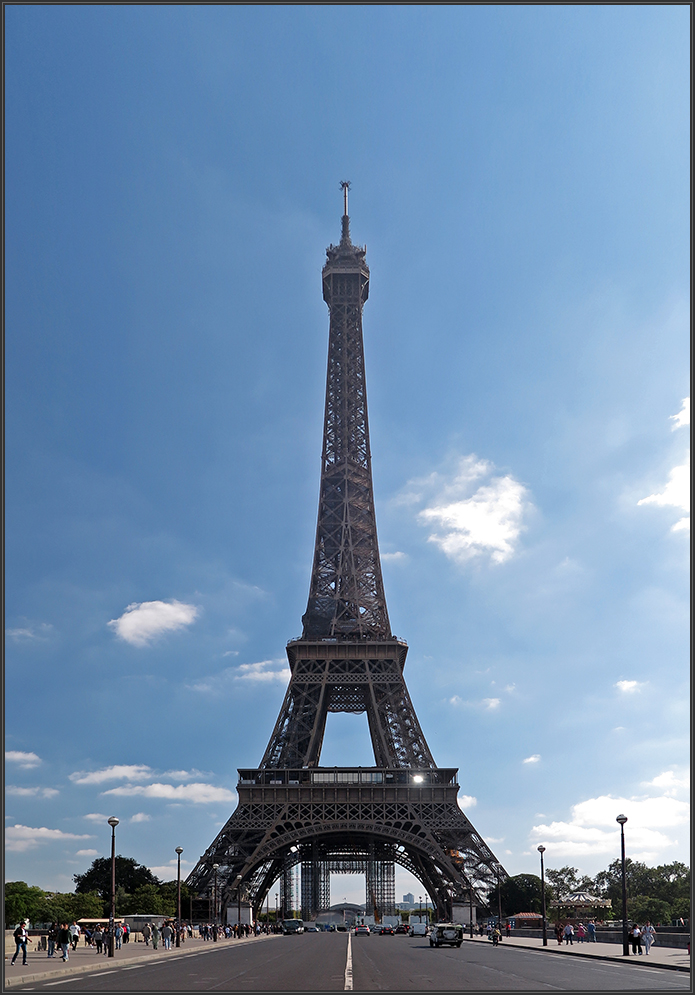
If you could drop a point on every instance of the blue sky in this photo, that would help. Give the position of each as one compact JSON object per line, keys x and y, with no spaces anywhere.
{"x":521,"y":178}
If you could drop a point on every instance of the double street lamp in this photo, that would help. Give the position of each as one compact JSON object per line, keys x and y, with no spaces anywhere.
{"x":541,"y":850}
{"x":113,"y":822}
{"x":622,"y":819}
{"x":178,"y":851}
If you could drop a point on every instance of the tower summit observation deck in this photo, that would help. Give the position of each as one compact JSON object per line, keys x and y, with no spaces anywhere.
{"x":403,"y":810}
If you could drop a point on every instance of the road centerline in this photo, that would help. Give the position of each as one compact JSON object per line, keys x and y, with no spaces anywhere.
{"x":348,"y":966}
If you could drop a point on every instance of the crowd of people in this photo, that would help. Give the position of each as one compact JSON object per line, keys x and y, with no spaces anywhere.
{"x":639,"y":936}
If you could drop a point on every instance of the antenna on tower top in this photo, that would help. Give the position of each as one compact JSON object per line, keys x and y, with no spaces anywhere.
{"x":345,"y":185}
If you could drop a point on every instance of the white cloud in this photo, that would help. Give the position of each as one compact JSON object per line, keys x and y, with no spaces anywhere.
{"x":86,"y":853}
{"x":13,"y":789}
{"x":491,"y":703}
{"x":167,"y":872}
{"x":683,"y":416}
{"x":34,"y":631}
{"x":140,"y":817}
{"x":397,"y":557}
{"x":478,"y":512}
{"x":25,"y":760}
{"x":96,"y":817}
{"x":630,"y":687}
{"x":20,"y":838}
{"x":118,"y":772}
{"x":143,"y":622}
{"x":264,"y":672}
{"x":467,"y":801}
{"x":533,"y":759}
{"x":668,"y":782}
{"x":592,"y":829}
{"x":197,"y":793}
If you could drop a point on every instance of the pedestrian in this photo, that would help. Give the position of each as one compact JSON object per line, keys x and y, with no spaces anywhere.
{"x":558,"y":933}
{"x":591,"y":932}
{"x":119,"y":935}
{"x":21,"y":938}
{"x":64,"y":940}
{"x":648,"y":935}
{"x":52,"y":933}
{"x":98,"y":938}
{"x":636,"y":939}
{"x":568,"y":933}
{"x":155,"y":935}
{"x":146,"y":934}
{"x":126,"y":933}
{"x":167,"y":932}
{"x":581,"y":932}
{"x":508,"y":928}
{"x":74,"y":934}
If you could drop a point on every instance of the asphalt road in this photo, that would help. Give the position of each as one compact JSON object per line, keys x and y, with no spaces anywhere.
{"x":317,"y":962}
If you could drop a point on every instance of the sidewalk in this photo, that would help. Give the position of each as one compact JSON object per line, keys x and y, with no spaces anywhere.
{"x":85,"y":960}
{"x":669,"y":958}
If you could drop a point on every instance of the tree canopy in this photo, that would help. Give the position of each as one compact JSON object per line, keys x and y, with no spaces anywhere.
{"x":129,"y":875}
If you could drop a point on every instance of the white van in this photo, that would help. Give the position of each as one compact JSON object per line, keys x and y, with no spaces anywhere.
{"x":418,"y":929}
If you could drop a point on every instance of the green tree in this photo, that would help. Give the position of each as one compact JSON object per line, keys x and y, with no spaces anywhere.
{"x":129,"y":876}
{"x":567,"y":879}
{"x":147,"y":899}
{"x":22,"y":902}
{"x":521,"y":893}
{"x":168,"y":893}
{"x":643,"y":907}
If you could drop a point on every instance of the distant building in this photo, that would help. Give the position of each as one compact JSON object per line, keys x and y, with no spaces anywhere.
{"x":408,"y":899}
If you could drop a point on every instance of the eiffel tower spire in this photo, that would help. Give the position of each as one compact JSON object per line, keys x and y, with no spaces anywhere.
{"x":346,"y":595}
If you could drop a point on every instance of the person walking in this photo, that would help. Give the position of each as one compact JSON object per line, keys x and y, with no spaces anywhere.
{"x":98,"y":937}
{"x":568,"y":933}
{"x":636,"y":939}
{"x":21,"y":938}
{"x":146,"y":934}
{"x":52,"y":934}
{"x":166,"y":935}
{"x":558,"y":933}
{"x":648,"y":935}
{"x":591,"y":932}
{"x":155,"y":935}
{"x":64,"y":940}
{"x":581,"y":932}
{"x":74,"y":935}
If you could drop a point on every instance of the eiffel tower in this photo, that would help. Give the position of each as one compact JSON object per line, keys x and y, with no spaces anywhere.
{"x":366,"y":820}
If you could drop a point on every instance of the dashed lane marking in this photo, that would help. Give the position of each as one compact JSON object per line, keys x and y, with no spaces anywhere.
{"x":348,"y":966}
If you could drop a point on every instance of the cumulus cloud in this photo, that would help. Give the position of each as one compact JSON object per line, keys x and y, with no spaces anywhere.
{"x":13,"y":789}
{"x":263,"y":672}
{"x":96,"y":817}
{"x":467,"y":801}
{"x":198,"y":793}
{"x":167,"y":872}
{"x":118,"y":772}
{"x":630,"y":687}
{"x":25,"y":760}
{"x":683,"y":416}
{"x":397,"y":557}
{"x":475,"y":510}
{"x":669,"y":782}
{"x":533,"y":759}
{"x":140,"y":817}
{"x":143,"y":622}
{"x":86,"y":853}
{"x":20,"y":838}
{"x":491,"y":703}
{"x":592,"y":829}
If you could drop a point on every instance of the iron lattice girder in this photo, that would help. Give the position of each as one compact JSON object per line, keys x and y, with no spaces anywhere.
{"x":355,"y":676}
{"x":419,"y":825}
{"x":346,"y":594}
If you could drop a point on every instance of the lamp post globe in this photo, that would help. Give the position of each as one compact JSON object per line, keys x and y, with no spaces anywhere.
{"x":622,"y":819}
{"x":178,"y":851}
{"x":541,"y":850}
{"x":113,"y":822}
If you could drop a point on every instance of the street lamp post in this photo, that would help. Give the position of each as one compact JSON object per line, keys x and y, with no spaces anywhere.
{"x":214,"y":918}
{"x":499,"y":901}
{"x":178,"y":851}
{"x":113,"y":822}
{"x":541,"y":850}
{"x":420,"y":900}
{"x":276,"y":912}
{"x":238,"y":901}
{"x":622,"y":819}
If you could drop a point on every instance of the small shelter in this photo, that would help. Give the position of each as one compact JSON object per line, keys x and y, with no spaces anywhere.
{"x":527,"y":920}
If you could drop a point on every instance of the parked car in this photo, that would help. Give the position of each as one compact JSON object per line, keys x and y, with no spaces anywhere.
{"x":361,"y":930}
{"x":446,"y":933}
{"x":402,"y":929}
{"x":312,"y":929}
{"x":386,"y":931}
{"x":418,"y":929}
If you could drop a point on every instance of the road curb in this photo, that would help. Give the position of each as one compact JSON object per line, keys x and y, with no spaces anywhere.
{"x":25,"y":979}
{"x":575,"y":953}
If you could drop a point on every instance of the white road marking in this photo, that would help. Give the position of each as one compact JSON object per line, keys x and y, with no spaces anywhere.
{"x":348,"y":966}
{"x":63,"y":982}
